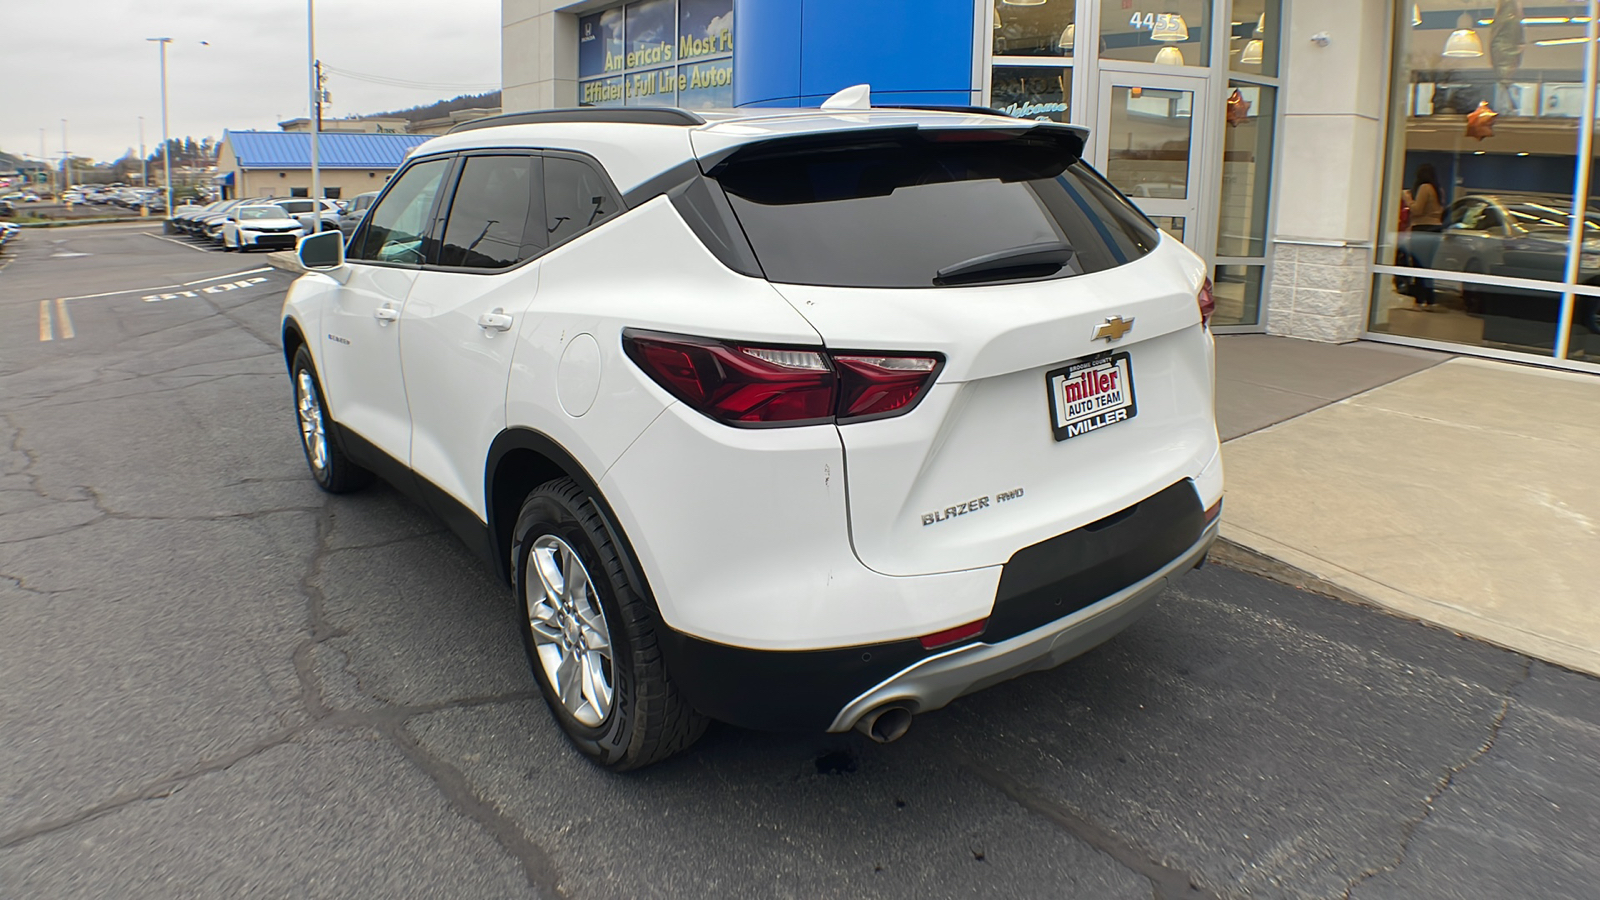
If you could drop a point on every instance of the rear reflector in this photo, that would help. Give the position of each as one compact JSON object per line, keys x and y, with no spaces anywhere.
{"x":953,"y":635}
{"x":1213,"y":512}
{"x":773,"y":386}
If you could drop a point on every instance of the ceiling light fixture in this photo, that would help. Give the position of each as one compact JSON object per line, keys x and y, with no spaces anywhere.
{"x":1170,"y":56}
{"x":1170,"y":27}
{"x":1023,"y":2}
{"x":1252,"y":53}
{"x":1463,"y":43}
{"x":1067,"y":36}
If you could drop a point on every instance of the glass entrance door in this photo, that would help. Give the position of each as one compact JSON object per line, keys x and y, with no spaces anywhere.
{"x":1147,"y":142}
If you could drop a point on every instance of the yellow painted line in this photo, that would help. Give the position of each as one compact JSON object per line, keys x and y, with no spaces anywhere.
{"x":44,"y":321}
{"x":67,"y":333}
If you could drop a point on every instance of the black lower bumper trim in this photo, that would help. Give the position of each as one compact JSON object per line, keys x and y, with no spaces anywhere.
{"x":779,"y":690}
{"x":1061,"y":575}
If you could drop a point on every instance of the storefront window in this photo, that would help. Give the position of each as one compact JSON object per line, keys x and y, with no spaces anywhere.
{"x":1034,"y":29}
{"x":631,"y":55}
{"x":1246,"y":169}
{"x":1253,"y":40}
{"x":1032,"y":92}
{"x":1480,"y":173}
{"x":1172,"y":32}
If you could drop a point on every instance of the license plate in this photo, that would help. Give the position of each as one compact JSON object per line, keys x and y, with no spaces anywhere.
{"x":1091,"y":393}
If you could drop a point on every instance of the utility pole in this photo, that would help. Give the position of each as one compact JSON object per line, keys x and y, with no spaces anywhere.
{"x":321,"y":94}
{"x":166,"y":140}
{"x":66,"y":161}
{"x":316,"y":111}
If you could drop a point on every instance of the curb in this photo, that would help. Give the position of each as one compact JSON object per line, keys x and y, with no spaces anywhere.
{"x":1253,"y":562}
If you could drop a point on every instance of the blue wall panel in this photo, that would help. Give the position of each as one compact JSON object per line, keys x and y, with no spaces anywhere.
{"x":766,"y":51}
{"x":798,"y":52}
{"x":893,"y":45}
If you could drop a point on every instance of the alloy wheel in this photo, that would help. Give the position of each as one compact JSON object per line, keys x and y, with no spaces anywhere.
{"x":312,"y":432}
{"x":569,"y":629}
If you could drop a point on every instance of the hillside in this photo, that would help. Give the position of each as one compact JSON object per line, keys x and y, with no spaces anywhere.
{"x":490,"y":100}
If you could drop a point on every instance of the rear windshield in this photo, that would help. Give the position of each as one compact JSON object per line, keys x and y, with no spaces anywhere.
{"x":896,"y":210}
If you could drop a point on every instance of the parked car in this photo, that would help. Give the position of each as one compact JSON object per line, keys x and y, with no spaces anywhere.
{"x":30,"y":197}
{"x":783,"y":440}
{"x":7,"y":208}
{"x":356,"y":211}
{"x":209,"y":224}
{"x":253,"y":226}
{"x":8,"y":230}
{"x":302,"y":210}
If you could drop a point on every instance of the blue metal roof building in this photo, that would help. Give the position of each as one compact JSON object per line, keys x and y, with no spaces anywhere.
{"x":278,"y":163}
{"x":335,"y":150}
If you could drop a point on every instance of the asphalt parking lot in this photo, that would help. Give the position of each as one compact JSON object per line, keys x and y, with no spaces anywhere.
{"x":217,"y":681}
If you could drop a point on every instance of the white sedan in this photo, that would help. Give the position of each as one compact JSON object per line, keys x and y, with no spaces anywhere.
{"x":267,"y":225}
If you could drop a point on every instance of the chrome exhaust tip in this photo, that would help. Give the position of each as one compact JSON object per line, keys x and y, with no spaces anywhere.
{"x":889,"y":722}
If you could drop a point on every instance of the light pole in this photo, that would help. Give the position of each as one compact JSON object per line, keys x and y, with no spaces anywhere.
{"x":166,"y":150}
{"x":49,"y":175}
{"x":312,"y":112}
{"x":144,"y":177}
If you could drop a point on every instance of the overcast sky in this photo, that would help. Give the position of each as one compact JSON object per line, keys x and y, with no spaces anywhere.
{"x":86,"y":61}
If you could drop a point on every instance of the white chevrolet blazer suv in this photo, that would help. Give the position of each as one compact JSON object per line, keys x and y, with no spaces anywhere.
{"x":794,"y":419}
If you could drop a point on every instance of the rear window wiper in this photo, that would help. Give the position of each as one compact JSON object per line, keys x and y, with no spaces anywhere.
{"x":1027,"y":261}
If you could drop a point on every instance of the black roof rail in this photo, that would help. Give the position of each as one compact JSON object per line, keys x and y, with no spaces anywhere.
{"x":630,"y":115}
{"x":939,"y":107}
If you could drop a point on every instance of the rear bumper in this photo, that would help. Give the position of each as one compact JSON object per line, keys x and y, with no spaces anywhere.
{"x":816,"y":690}
{"x":934,"y":682}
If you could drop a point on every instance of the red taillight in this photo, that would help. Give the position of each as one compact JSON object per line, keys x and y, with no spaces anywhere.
{"x":879,"y":385}
{"x":753,"y":386}
{"x":1208,"y":303}
{"x":952,"y":635}
{"x":739,"y":385}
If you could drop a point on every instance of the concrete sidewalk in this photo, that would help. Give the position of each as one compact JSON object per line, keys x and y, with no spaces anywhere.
{"x":1458,"y":491}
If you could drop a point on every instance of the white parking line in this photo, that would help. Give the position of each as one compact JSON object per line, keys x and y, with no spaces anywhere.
{"x":171,"y":241}
{"x":159,"y":287}
{"x":44,"y":321}
{"x":234,"y":275}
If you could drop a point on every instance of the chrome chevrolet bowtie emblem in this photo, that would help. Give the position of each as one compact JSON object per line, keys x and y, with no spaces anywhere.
{"x":1112,"y":329}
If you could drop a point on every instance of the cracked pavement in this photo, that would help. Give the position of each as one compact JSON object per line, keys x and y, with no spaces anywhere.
{"x":217,"y":681}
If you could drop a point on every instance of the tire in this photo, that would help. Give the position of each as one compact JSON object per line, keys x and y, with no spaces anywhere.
{"x":333,"y":471}
{"x":645,"y":720}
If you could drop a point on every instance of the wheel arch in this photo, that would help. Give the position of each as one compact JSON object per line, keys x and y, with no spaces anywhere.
{"x":520,"y":459}
{"x":293,"y":339}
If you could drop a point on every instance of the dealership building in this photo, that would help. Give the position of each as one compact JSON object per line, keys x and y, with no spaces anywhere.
{"x":1283,"y":140}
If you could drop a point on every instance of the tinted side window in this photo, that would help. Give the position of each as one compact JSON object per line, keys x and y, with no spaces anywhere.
{"x":489,"y":214}
{"x":396,"y":227}
{"x":576,"y":197}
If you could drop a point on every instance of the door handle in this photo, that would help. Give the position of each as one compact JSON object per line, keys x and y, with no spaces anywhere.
{"x":386,"y":313}
{"x":497,"y":320}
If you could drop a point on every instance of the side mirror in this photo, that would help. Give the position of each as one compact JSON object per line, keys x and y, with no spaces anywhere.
{"x":322,"y":251}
